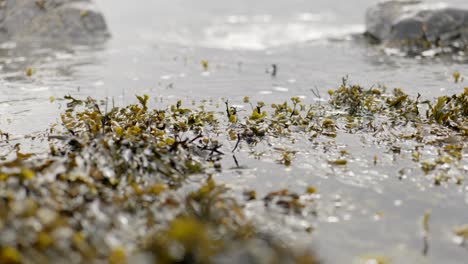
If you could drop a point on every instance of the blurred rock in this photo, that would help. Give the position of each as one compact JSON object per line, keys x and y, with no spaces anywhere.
{"x":69,"y":21}
{"x":417,"y":24}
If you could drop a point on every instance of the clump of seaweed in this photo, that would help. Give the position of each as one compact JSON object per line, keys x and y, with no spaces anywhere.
{"x":360,"y":102}
{"x":214,"y":228}
{"x":355,"y":99}
{"x":114,"y":186}
{"x":135,"y":141}
{"x":451,"y":112}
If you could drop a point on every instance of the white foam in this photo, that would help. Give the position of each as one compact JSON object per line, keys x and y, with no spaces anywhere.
{"x":269,"y":35}
{"x":259,"y":32}
{"x":280,"y":89}
{"x":316,"y":17}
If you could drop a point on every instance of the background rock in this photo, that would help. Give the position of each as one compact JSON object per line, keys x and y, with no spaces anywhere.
{"x":76,"y":21}
{"x":418,"y":24}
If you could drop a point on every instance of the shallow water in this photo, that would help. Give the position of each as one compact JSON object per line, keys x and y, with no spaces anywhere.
{"x":156,"y":49}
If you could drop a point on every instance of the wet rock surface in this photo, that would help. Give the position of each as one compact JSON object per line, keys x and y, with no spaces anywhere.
{"x":417,"y":26}
{"x":75,"y":21}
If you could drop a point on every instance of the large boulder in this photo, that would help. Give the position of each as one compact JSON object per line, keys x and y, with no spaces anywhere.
{"x":418,"y":26}
{"x":74,"y":21}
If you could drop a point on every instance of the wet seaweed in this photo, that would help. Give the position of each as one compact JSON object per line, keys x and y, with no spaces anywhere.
{"x":135,"y":181}
{"x":113,"y":187}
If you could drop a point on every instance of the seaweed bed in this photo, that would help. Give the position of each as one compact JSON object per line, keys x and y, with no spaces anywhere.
{"x":135,"y":184}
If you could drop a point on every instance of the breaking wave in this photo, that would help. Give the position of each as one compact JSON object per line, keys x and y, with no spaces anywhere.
{"x":260,"y":32}
{"x":264,"y":36}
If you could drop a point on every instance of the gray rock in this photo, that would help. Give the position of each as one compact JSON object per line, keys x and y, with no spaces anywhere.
{"x":74,"y":21}
{"x":417,"y":24}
